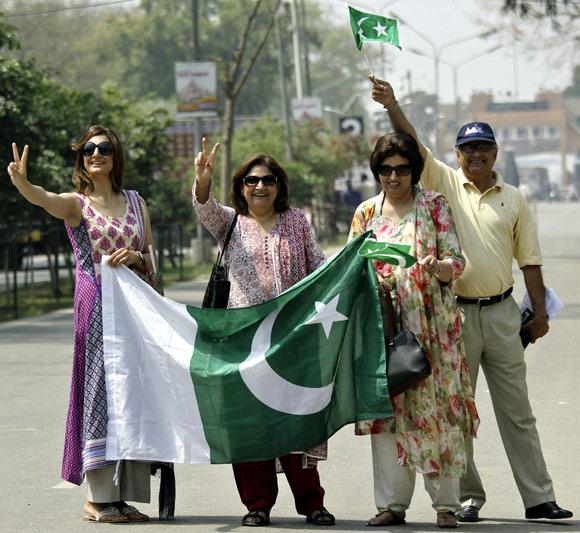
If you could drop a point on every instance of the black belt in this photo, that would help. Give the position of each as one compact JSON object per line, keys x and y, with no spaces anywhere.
{"x":490,"y":300}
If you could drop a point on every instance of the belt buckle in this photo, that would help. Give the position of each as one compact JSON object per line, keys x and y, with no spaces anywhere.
{"x":483,"y":301}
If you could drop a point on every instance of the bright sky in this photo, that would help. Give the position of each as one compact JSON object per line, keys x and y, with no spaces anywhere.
{"x":443,"y":21}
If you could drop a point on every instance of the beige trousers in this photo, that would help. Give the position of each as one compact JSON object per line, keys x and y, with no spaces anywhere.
{"x":133,"y":483}
{"x":394,"y":484}
{"x":492,"y":340}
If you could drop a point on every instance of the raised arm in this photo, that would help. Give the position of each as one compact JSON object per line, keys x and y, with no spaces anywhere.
{"x":64,"y":206}
{"x":384,"y":94}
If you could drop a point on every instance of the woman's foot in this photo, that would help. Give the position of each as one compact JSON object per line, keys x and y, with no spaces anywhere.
{"x":446,"y":520}
{"x":131,"y":513}
{"x":256,"y":518}
{"x":321,"y":517}
{"x":387,"y":517}
{"x":103,"y":512}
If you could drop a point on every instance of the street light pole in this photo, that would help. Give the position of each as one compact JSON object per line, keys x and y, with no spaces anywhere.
{"x":454,"y":68}
{"x":437,"y":52}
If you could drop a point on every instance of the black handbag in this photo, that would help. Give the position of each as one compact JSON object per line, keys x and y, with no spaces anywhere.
{"x":217,"y":292}
{"x":407,"y":362}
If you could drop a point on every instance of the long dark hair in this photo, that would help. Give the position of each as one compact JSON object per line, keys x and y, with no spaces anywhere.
{"x":239,"y":202}
{"x":82,"y":181}
{"x":397,"y":144}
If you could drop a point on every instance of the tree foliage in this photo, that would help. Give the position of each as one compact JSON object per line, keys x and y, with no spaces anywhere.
{"x":543,"y":8}
{"x":48,"y":116}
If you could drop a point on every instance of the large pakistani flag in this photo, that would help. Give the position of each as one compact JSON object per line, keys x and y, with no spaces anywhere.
{"x":190,"y":385}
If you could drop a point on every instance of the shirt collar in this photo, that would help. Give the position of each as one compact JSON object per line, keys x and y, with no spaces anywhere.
{"x":466,"y":182}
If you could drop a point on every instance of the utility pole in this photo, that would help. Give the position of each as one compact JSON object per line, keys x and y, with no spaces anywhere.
{"x":199,"y":250}
{"x":283,"y":92}
{"x":296,"y":48}
{"x":304,"y":41}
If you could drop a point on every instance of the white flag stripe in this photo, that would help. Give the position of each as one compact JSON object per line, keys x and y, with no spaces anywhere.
{"x":160,"y":335}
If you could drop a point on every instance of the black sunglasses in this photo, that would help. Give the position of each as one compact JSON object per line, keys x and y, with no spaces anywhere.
{"x":471,"y":148}
{"x":400,"y":170}
{"x":105,"y":148}
{"x":267,"y":181}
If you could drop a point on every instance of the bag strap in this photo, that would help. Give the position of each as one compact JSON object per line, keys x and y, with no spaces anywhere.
{"x":227,"y":241}
{"x":390,"y":321}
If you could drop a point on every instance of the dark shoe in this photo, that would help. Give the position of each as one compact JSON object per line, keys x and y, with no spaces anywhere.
{"x":387,"y":518}
{"x":446,"y":520}
{"x":321,"y":517}
{"x":256,"y":518}
{"x":548,"y":510}
{"x":470,"y":513}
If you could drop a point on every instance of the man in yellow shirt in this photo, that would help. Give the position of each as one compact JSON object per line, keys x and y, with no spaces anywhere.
{"x":495,"y":226}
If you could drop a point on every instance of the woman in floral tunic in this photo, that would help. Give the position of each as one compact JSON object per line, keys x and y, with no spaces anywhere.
{"x":100,"y":219}
{"x":431,"y":420}
{"x":271,"y":248}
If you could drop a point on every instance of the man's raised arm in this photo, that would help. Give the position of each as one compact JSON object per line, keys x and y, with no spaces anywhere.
{"x":383,"y":93}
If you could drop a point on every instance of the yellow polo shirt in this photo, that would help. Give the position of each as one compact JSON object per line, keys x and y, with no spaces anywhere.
{"x":494,"y":227}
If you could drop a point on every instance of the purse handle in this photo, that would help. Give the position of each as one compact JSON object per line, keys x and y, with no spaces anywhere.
{"x":388,"y":314}
{"x":227,"y":241}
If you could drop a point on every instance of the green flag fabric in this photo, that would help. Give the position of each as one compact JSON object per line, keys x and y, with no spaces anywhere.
{"x":232,"y":385}
{"x":372,"y":27}
{"x":393,"y":253}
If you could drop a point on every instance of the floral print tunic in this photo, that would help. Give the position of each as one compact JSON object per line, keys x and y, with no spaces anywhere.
{"x":432,"y":419}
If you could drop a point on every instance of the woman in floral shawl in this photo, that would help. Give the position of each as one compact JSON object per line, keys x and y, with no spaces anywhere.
{"x":431,"y":420}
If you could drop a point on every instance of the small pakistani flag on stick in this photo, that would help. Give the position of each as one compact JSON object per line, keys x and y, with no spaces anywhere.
{"x":393,"y":253}
{"x":371,"y":27}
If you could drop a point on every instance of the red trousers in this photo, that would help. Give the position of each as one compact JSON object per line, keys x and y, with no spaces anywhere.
{"x":258,"y":486}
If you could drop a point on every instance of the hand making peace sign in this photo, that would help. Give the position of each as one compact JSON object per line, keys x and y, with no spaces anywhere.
{"x":204,"y":162}
{"x":17,"y":169}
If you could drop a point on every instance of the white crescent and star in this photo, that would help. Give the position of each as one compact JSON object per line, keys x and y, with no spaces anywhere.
{"x":272,"y":389}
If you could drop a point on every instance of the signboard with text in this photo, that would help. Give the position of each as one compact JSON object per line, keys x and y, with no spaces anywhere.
{"x":196,"y":88}
{"x":306,"y":109}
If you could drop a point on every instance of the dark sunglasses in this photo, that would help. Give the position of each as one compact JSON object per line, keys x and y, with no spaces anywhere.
{"x":400,"y":170}
{"x":267,"y":181}
{"x":105,"y":148}
{"x":476,"y":147}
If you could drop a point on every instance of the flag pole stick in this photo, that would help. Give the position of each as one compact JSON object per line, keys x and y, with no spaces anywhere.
{"x":368,"y":61}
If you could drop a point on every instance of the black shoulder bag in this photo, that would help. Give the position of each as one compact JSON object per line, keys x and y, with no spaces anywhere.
{"x":217,"y":292}
{"x":407,"y":362}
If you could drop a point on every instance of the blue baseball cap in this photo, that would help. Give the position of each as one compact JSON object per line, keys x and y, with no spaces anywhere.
{"x":475,"y":131}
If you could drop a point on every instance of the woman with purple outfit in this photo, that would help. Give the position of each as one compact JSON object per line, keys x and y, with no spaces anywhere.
{"x":101,"y":219}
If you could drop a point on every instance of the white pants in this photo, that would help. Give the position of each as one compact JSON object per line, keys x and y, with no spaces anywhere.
{"x":394,"y":484}
{"x":133,"y":483}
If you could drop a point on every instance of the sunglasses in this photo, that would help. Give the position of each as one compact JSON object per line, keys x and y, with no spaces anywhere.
{"x":105,"y":148}
{"x":476,"y":147}
{"x":267,"y":181}
{"x":400,"y":170}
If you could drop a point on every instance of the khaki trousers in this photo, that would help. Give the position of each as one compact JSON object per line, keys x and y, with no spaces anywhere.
{"x":491,"y":335}
{"x":394,"y":484}
{"x":133,"y":483}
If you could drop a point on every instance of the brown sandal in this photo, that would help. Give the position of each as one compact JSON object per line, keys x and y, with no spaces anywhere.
{"x":446,"y":520}
{"x":388,"y":517}
{"x":256,"y":518}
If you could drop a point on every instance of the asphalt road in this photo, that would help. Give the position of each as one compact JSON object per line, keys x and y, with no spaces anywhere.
{"x":35,"y":363}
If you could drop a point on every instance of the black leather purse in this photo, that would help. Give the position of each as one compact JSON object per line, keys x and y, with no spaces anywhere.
{"x":217,"y":292}
{"x":407,"y":362}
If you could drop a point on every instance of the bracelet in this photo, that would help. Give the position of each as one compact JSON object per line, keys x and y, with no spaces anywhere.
{"x":394,"y":106}
{"x":141,"y":258}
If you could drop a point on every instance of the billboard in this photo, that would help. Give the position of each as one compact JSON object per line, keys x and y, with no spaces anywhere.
{"x":196,"y":88}
{"x":306,"y":108}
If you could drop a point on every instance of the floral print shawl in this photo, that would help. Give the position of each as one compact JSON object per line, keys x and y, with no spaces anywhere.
{"x":432,"y":419}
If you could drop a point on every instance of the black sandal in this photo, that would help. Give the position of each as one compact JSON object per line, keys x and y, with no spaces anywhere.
{"x":256,"y":518}
{"x":321,"y":517}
